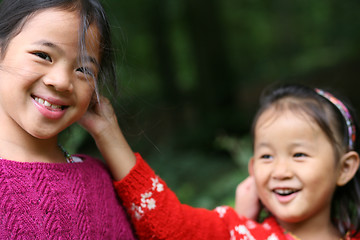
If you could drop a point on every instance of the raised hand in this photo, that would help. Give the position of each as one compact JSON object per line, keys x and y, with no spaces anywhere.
{"x":101,"y":122}
{"x":246,"y":200}
{"x":100,"y":117}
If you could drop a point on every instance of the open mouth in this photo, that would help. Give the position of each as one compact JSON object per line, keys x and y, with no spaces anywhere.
{"x":49,"y":105}
{"x":285,"y":191}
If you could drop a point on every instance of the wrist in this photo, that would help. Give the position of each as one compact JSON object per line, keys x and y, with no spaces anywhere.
{"x":116,"y":151}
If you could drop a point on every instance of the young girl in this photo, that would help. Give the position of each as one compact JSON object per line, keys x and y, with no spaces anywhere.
{"x":54,"y":54}
{"x":305,"y":168}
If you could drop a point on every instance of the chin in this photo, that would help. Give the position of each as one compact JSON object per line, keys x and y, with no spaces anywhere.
{"x":290,"y":218}
{"x":43,"y":135}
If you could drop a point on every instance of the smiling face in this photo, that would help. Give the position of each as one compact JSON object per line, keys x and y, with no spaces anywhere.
{"x":294,"y":167}
{"x":43,"y":86}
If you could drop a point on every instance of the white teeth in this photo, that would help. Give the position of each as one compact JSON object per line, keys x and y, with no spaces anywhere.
{"x":46,"y":103}
{"x":284,"y":191}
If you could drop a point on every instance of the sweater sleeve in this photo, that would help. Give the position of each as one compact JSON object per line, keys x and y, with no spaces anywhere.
{"x":157,"y":213}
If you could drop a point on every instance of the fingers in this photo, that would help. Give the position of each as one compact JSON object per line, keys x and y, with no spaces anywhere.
{"x":247,"y":201}
{"x":105,"y":107}
{"x":99,"y":117}
{"x":101,"y":106}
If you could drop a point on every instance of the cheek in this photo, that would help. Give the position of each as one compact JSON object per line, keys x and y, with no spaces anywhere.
{"x":260,"y":171}
{"x":89,"y":98}
{"x":262,"y":176}
{"x":86,"y":93}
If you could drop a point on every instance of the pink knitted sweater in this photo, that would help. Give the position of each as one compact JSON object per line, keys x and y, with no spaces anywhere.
{"x":60,"y":201}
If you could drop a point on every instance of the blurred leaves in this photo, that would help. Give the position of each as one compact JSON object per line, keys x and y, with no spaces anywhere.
{"x":191,"y":72}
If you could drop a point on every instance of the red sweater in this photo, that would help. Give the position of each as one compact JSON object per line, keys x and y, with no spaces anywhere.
{"x":157,"y":213}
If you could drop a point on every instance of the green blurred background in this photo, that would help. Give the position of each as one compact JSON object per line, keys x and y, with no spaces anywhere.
{"x":191,"y":71}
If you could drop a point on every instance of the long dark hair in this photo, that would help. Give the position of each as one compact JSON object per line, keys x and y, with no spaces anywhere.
{"x":345,"y":206}
{"x":14,"y":13}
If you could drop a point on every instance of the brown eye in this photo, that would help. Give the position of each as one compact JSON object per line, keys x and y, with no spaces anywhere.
{"x":43,"y":55}
{"x":86,"y":71}
{"x":300,"y":155}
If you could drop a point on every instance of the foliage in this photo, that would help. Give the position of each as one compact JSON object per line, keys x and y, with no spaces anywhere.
{"x":191,"y":73}
{"x":202,"y":179}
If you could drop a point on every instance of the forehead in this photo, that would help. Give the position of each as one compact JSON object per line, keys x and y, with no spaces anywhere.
{"x":274,"y":115}
{"x":55,"y":19}
{"x":280,"y":121}
{"x":287,"y":128}
{"x":61,"y":27}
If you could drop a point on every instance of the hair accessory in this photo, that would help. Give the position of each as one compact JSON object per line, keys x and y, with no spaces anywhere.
{"x":344,"y":112}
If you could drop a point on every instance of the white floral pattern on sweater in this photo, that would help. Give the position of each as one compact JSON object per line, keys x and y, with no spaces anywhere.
{"x":147,"y":202}
{"x":243,"y":229}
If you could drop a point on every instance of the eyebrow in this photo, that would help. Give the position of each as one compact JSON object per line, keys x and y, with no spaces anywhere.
{"x":92,"y":60}
{"x":57,"y":48}
{"x":48,"y":44}
{"x":292,"y":144}
{"x":262,"y":145}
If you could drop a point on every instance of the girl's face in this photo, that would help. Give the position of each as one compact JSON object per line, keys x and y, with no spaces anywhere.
{"x":294,"y":167}
{"x":43,"y":87}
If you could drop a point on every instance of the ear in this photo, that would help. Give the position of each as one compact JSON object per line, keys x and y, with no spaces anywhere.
{"x":349,"y":164}
{"x":251,"y":166}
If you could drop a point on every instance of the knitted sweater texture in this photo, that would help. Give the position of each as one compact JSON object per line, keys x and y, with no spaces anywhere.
{"x":60,"y":201}
{"x":157,"y":213}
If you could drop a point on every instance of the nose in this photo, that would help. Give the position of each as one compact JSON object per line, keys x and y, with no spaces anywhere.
{"x":282,"y":169}
{"x":59,"y":79}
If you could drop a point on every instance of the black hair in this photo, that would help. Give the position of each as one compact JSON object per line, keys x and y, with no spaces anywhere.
{"x":14,"y":13}
{"x":345,"y":206}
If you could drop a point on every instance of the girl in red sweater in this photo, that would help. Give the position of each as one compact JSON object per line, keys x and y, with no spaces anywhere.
{"x":305,"y":168}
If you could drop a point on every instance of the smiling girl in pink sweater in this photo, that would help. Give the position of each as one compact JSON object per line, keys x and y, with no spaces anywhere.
{"x":55,"y":54}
